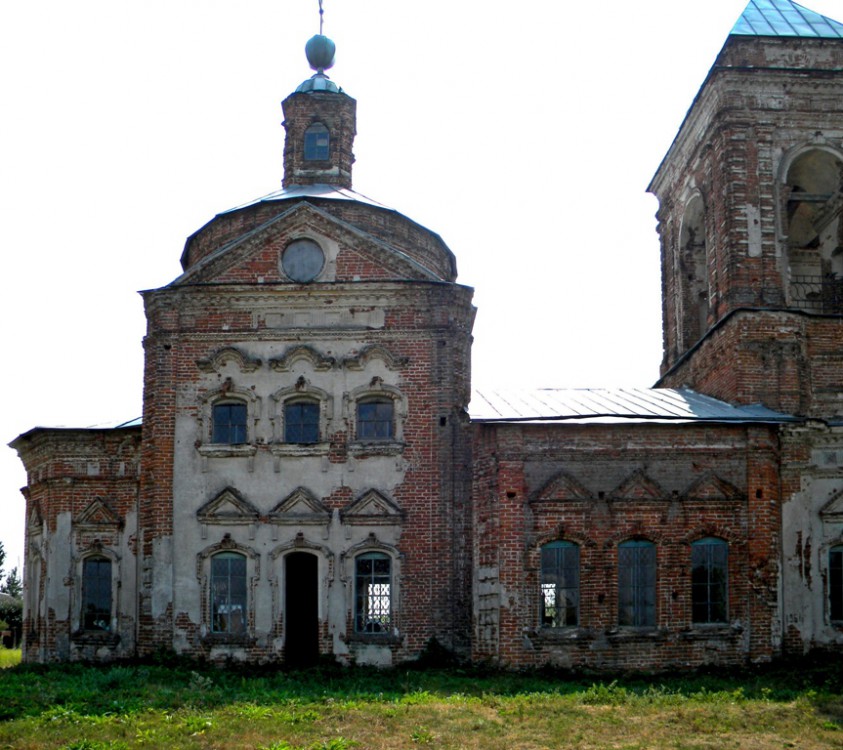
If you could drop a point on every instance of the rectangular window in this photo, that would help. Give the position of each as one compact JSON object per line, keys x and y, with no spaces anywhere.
{"x":96,"y":594}
{"x":228,"y":593}
{"x":373,"y":593}
{"x":637,"y":584}
{"x":375,"y":420}
{"x":229,"y":424}
{"x":301,"y":422}
{"x":835,"y":583}
{"x":560,"y":584}
{"x":709,"y":579}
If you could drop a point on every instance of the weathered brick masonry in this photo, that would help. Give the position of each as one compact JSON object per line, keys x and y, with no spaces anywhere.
{"x":307,"y":480}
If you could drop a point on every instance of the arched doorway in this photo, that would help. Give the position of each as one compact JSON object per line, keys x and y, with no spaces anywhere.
{"x":301,"y":609}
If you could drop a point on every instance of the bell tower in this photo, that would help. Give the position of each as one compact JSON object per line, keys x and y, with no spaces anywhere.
{"x":750,"y":221}
{"x":320,"y":120}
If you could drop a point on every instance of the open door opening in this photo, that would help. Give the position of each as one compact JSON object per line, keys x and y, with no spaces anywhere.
{"x":301,"y":610}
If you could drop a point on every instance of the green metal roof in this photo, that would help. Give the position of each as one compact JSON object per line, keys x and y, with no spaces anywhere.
{"x":785,"y":18}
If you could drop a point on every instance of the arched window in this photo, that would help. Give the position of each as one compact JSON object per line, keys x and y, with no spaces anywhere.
{"x":376,"y":419}
{"x":317,"y":142}
{"x":228,"y":593}
{"x":96,"y":593}
{"x":229,"y":423}
{"x":637,"y":583}
{"x":301,"y":422}
{"x":835,"y":583}
{"x":373,"y":593}
{"x":560,"y":584}
{"x":709,"y":581}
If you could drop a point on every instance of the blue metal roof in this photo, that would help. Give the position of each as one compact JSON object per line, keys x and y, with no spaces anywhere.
{"x":612,"y":406}
{"x":784,"y":18}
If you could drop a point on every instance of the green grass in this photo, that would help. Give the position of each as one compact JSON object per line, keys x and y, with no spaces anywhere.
{"x":77,"y":707}
{"x":9,"y":657}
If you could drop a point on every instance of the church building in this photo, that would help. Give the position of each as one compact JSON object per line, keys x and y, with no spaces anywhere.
{"x":313,"y":477}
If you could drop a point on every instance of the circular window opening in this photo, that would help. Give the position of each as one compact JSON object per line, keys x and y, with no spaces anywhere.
{"x":302,"y":260}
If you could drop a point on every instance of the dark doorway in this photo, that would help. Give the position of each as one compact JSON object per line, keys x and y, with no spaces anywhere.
{"x":301,"y":610}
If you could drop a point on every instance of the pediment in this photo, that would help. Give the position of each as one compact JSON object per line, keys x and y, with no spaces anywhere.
{"x":300,"y":507}
{"x":372,"y":507}
{"x":360,"y":359}
{"x":638,"y":486}
{"x":563,"y":487}
{"x":711,"y":487}
{"x":833,"y":510}
{"x":218,"y":359}
{"x":257,"y":251}
{"x":99,"y":515}
{"x":318,"y":361}
{"x":228,"y":507}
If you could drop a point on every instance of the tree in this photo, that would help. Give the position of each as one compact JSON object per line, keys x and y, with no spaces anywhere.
{"x":2,"y":560}
{"x":13,"y":586}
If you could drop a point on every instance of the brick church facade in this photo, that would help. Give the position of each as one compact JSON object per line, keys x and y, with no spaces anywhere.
{"x":310,"y":480}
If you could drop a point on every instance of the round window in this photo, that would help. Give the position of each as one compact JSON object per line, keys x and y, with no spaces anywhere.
{"x":302,"y":260}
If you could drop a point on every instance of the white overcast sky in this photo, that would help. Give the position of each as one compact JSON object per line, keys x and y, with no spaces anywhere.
{"x":524,"y":133}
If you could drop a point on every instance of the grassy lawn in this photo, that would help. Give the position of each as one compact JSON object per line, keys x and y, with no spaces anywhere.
{"x":182,"y":706}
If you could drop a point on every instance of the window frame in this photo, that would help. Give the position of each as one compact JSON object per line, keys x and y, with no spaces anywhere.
{"x":315,"y":422}
{"x":702,"y":591}
{"x":229,"y":403}
{"x":313,"y":151}
{"x":835,"y":584}
{"x":377,"y":401}
{"x":564,"y":578}
{"x":374,"y":616}
{"x":224,"y":579}
{"x":637,"y":584}
{"x":103,"y":582}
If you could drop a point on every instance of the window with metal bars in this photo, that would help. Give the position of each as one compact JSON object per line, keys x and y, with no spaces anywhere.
{"x":96,"y":593}
{"x":228,"y":593}
{"x":560,"y":584}
{"x":373,"y":593}
{"x":637,"y":583}
{"x":709,"y":581}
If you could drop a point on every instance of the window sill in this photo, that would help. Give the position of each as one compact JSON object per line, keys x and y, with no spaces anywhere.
{"x":95,"y":638}
{"x":226,"y":639}
{"x":366,"y":448}
{"x":380,"y":639}
{"x":295,"y":450}
{"x":562,"y":635}
{"x":631,"y":633}
{"x":703,"y":631}
{"x":227,"y":451}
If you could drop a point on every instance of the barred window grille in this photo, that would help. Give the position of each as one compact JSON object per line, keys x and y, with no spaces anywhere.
{"x":709,"y":581}
{"x":560,"y":584}
{"x":373,"y":593}
{"x":637,"y":584}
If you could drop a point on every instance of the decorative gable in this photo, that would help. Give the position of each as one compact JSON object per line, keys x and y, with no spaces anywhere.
{"x":372,"y":508}
{"x":98,"y":516}
{"x":318,"y":361}
{"x":711,"y":487}
{"x":832,"y":511}
{"x":218,"y":359}
{"x":638,"y":486}
{"x":229,"y":507}
{"x":359,"y":360}
{"x":563,"y":487}
{"x":300,"y":507}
